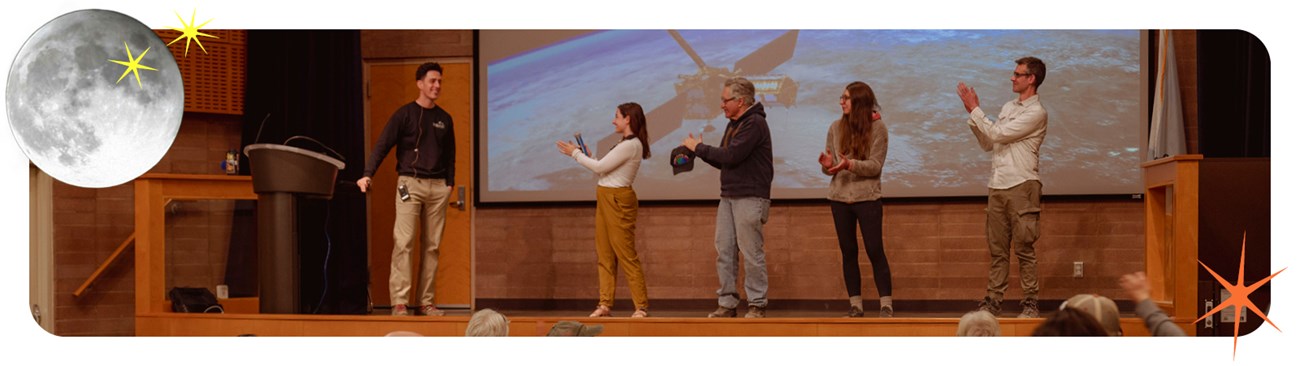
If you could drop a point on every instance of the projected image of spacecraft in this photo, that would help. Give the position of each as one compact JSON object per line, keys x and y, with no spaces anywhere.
{"x":697,"y":94}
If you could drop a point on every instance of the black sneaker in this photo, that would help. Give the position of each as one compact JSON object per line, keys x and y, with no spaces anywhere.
{"x":1030,"y":308}
{"x":988,"y":305}
{"x":756,"y":312}
{"x":723,"y":312}
{"x":854,"y":312}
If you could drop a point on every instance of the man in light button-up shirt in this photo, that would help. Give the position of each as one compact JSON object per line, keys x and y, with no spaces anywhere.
{"x":1014,"y":187}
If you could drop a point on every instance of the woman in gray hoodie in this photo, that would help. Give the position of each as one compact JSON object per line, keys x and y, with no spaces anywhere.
{"x":855,"y":153}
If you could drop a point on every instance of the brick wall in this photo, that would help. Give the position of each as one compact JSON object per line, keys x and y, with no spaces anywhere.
{"x":198,"y":240}
{"x":90,"y":223}
{"x":936,"y":251}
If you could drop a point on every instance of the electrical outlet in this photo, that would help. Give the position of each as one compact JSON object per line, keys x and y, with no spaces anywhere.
{"x":1228,"y":313}
{"x":1078,"y":269}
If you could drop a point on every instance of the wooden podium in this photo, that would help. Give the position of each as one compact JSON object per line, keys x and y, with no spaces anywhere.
{"x":280,"y":175}
{"x":1172,"y":219}
{"x":1197,"y":211}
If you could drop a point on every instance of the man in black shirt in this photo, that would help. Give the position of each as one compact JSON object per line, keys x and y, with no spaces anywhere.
{"x":426,"y":157}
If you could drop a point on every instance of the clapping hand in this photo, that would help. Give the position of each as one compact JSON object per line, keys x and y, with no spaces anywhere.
{"x":968,"y":97}
{"x":691,"y":141}
{"x":825,"y":159}
{"x":565,"y":147}
{"x":844,"y":164}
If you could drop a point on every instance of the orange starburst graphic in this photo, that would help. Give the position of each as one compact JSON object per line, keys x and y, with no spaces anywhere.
{"x":1239,"y":296}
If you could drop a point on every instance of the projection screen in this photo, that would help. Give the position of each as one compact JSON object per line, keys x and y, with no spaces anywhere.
{"x":539,"y":86}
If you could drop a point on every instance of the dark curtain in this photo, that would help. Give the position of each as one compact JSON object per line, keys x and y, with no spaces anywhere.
{"x":1232,"y":77}
{"x":308,"y":83}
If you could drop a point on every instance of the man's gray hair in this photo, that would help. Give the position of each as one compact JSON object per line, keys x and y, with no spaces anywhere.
{"x":978,"y":323}
{"x":741,"y":88}
{"x":487,"y":323}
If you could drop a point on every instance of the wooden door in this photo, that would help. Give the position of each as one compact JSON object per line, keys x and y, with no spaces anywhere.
{"x":391,"y":85}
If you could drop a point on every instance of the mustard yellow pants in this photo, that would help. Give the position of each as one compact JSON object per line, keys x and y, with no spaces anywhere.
{"x":616,"y":244}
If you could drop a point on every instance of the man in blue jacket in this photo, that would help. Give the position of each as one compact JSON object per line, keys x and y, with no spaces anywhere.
{"x":745,"y":158}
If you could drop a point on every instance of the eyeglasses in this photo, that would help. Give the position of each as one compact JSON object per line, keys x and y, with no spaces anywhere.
{"x":1019,"y":74}
{"x":725,"y":100}
{"x":843,"y":98}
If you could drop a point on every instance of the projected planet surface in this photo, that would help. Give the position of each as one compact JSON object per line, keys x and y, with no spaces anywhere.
{"x":1092,"y":93}
{"x":72,"y":116}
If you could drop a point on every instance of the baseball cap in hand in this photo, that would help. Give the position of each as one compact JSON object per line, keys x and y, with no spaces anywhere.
{"x":682,"y":160}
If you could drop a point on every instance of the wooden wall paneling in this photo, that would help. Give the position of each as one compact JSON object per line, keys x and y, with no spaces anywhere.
{"x":405,"y":44}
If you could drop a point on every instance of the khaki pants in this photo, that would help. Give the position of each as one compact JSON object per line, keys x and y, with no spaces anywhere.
{"x":616,"y":244}
{"x":1013,"y":221}
{"x":428,"y":200}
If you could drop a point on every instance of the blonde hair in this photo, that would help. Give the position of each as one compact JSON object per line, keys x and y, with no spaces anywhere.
{"x":487,"y":323}
{"x":978,"y":323}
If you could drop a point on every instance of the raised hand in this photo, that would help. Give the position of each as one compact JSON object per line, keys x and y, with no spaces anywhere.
{"x":1136,"y":285}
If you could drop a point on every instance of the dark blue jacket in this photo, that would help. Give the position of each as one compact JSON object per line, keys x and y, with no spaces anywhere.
{"x":744,"y":155}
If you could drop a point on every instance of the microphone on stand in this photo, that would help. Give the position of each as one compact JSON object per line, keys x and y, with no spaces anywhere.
{"x":259,"y":130}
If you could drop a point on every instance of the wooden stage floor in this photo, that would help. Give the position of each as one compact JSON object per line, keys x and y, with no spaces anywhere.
{"x":537,"y":323}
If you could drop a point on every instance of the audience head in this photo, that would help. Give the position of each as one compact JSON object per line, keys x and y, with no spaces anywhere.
{"x":403,"y":333}
{"x":1069,"y":322}
{"x":487,"y":323}
{"x":1100,"y":308}
{"x":978,"y":323}
{"x":569,"y":328}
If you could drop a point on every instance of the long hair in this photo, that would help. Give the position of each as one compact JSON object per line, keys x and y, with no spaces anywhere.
{"x":636,"y":122}
{"x":855,"y":126}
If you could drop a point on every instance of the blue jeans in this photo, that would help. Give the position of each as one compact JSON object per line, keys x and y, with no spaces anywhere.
{"x":740,"y":228}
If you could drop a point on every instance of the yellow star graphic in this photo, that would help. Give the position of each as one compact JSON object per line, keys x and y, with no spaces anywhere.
{"x":133,"y":65}
{"x":190,"y":32}
{"x":1239,"y":296}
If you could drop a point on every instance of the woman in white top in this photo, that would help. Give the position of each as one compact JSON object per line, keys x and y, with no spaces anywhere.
{"x":616,"y":206}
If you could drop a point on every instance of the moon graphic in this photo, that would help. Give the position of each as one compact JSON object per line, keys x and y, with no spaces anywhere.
{"x":71,"y":115}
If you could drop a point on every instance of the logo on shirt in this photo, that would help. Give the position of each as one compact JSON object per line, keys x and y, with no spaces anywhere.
{"x":439,"y":125}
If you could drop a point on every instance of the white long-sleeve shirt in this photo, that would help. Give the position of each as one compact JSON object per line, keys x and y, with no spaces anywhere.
{"x":616,"y":169}
{"x":1014,"y":140}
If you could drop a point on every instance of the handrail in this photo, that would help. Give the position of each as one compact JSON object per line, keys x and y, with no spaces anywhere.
{"x":111,"y":258}
{"x":102,"y":266}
